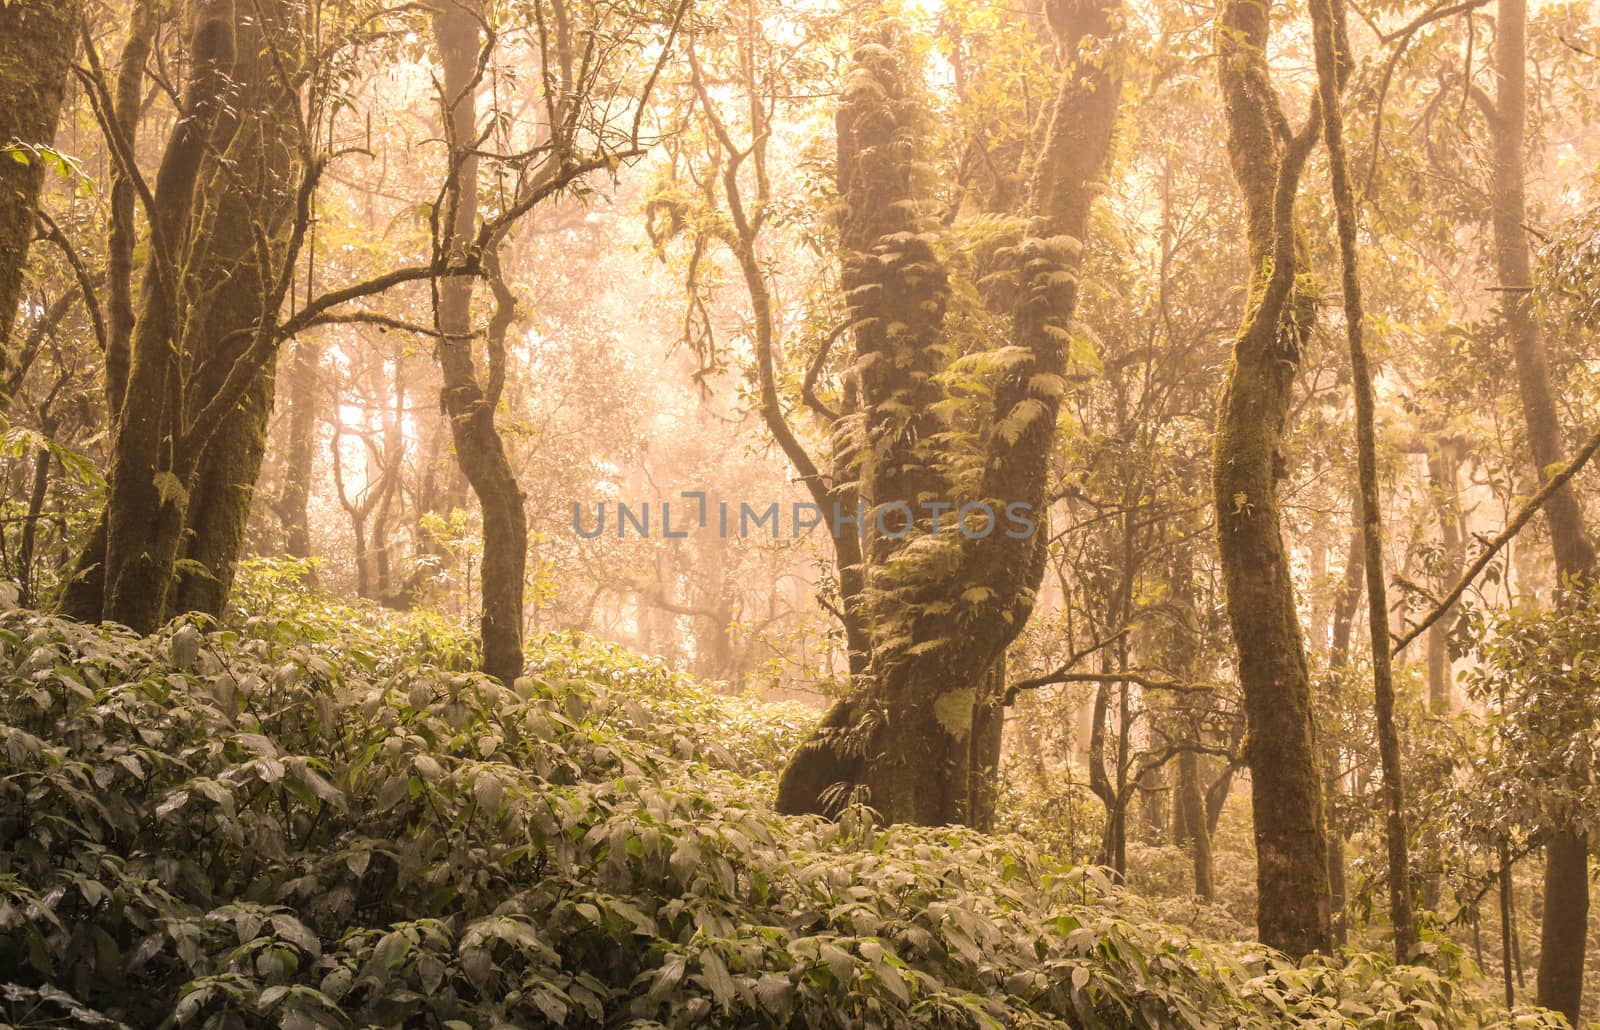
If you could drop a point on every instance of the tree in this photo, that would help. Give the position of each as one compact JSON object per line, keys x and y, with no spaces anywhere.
{"x":469,"y":404}
{"x":203,"y":347}
{"x":921,"y":732}
{"x":1564,"y":932}
{"x":246,"y":225}
{"x":1293,"y":909}
{"x":1332,"y":45}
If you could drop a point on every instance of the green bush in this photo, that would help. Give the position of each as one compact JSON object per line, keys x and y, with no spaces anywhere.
{"x":313,"y":818}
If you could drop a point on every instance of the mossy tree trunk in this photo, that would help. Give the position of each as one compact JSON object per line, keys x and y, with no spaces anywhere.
{"x":40,"y":39}
{"x":226,"y":185}
{"x":84,"y":595}
{"x":1293,"y":909}
{"x":941,"y":607}
{"x":147,"y":500}
{"x":254,"y":183}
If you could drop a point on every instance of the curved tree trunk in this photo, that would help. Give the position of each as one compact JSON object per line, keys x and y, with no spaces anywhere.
{"x":470,"y":407}
{"x":41,"y":37}
{"x":1293,"y":907}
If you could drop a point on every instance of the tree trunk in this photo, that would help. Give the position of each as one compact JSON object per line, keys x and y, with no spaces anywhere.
{"x":1344,"y":617}
{"x":479,"y":448}
{"x":1333,"y":65}
{"x":147,"y":498}
{"x":234,"y":281}
{"x":1191,"y":823}
{"x":1565,"y":927}
{"x":30,"y":524}
{"x":84,"y":595}
{"x":41,"y":38}
{"x":295,"y":495}
{"x":921,"y":719}
{"x":1444,"y":462}
{"x":123,"y":235}
{"x":1293,"y":912}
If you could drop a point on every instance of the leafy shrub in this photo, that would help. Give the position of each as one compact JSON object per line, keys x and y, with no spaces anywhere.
{"x":313,"y":818}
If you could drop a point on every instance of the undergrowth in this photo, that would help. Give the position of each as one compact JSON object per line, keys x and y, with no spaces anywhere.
{"x":312,"y":817}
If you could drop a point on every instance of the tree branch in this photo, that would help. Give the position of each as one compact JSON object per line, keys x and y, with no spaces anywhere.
{"x":1512,"y":528}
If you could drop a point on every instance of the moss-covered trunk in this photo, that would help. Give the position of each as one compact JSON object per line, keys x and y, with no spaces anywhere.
{"x":942,"y":605}
{"x":254,"y":184}
{"x":84,"y":595}
{"x":147,"y":500}
{"x":40,"y":39}
{"x":1293,"y":909}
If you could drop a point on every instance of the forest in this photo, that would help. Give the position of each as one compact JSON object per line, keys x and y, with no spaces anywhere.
{"x":799,"y":513}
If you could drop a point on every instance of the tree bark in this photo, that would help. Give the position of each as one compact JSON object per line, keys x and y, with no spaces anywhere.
{"x":479,"y":448}
{"x":1564,"y":930}
{"x":122,"y":237}
{"x":41,"y":38}
{"x":1192,"y":824}
{"x":1293,"y":903}
{"x":147,"y":499}
{"x":84,"y":595}
{"x":1344,"y":616}
{"x":1443,"y":467}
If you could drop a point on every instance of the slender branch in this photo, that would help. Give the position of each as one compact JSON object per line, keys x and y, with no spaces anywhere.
{"x":54,"y":234}
{"x":808,"y":388}
{"x":1061,"y":670}
{"x":1404,"y":36}
{"x":1512,"y":528}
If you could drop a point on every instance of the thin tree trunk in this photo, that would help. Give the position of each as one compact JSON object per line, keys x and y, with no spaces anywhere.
{"x":1332,"y":58}
{"x":1506,"y":908}
{"x":1443,"y":466}
{"x":84,"y":596}
{"x":295,"y":495}
{"x":30,"y":524}
{"x":1564,"y":933}
{"x":1344,"y":615}
{"x":1191,"y":802}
